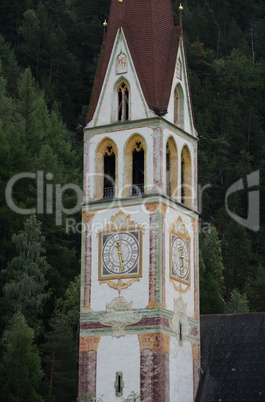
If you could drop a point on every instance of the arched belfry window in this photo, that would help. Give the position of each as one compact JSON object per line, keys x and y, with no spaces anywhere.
{"x":186,"y":177}
{"x":106,"y":169}
{"x":123,"y":101}
{"x":135,"y":166}
{"x":179,"y":106}
{"x":109,"y":173}
{"x":171,"y":168}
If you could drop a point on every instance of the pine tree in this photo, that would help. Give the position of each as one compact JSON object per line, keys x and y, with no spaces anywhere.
{"x":21,"y":364}
{"x":60,"y":356}
{"x":238,"y":303}
{"x":25,"y":288}
{"x":211,"y":269}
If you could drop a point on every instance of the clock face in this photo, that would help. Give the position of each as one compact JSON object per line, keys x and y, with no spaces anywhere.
{"x":179,"y":258}
{"x":120,"y":254}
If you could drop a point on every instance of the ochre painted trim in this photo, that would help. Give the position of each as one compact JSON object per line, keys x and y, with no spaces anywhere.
{"x":88,"y":343}
{"x":156,"y":342}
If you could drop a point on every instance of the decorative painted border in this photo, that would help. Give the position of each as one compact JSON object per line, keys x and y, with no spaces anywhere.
{"x":178,"y":229}
{"x":146,"y":324}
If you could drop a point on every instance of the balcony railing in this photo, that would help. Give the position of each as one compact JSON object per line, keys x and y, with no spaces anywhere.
{"x":137,"y":189}
{"x":109,"y":192}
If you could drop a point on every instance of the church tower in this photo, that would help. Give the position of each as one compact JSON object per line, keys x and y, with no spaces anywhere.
{"x":139,"y":321}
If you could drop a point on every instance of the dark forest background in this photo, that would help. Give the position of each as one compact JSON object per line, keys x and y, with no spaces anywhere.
{"x":48,"y":59}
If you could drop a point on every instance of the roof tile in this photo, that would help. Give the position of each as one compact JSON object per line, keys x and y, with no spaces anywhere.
{"x":153,"y":42}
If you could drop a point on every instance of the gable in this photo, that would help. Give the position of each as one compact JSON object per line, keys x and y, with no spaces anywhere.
{"x":120,"y":69}
{"x":180,"y":84}
{"x":150,"y":50}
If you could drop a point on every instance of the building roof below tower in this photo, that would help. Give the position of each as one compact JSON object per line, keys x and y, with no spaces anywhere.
{"x":232,"y":358}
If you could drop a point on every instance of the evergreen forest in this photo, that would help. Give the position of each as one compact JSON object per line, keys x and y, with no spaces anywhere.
{"x":48,"y":58}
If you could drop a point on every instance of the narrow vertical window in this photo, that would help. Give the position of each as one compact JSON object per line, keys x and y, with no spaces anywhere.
{"x":182,"y":182}
{"x":171,"y":168}
{"x":186,"y":177}
{"x":138,"y":170}
{"x":176,"y":107}
{"x":119,"y":384}
{"x":168,"y":170}
{"x":109,"y":173}
{"x":179,"y":106}
{"x":123,"y":102}
{"x":180,"y":332}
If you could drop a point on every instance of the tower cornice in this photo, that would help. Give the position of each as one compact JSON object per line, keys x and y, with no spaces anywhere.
{"x":152,"y":122}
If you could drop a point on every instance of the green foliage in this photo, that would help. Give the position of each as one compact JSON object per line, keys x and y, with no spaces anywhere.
{"x":60,"y":356}
{"x":60,"y":349}
{"x":72,"y":302}
{"x":35,"y":139}
{"x":238,"y":303}
{"x":133,"y":397}
{"x":25,"y":288}
{"x":255,"y":290}
{"x":236,"y":256}
{"x":21,"y":371}
{"x":211,"y":270}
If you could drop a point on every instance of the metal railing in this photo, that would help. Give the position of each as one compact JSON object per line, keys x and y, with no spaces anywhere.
{"x":109,"y":192}
{"x":137,"y":189}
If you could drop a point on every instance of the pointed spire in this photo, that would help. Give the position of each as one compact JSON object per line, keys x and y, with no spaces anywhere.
{"x":105,"y":24}
{"x":180,"y":18}
{"x":120,"y":1}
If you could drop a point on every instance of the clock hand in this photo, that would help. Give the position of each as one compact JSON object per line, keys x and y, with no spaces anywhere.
{"x":118,"y":245}
{"x":182,"y":259}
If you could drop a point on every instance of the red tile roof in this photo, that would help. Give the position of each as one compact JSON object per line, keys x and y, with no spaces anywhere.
{"x":153,"y":43}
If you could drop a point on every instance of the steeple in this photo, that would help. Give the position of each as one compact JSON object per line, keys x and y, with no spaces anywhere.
{"x":139,"y":322}
{"x":153,"y":43}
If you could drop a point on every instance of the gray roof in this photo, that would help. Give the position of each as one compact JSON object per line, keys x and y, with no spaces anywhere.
{"x":232,"y":358}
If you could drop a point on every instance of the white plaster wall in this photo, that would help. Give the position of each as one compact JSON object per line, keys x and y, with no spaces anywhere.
{"x":114,"y":355}
{"x":101,"y":294}
{"x":180,"y":372}
{"x":106,"y":110}
{"x":172,"y":294}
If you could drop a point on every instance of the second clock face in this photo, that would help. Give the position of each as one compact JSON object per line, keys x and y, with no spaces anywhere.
{"x":179,"y":258}
{"x":120,"y":254}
